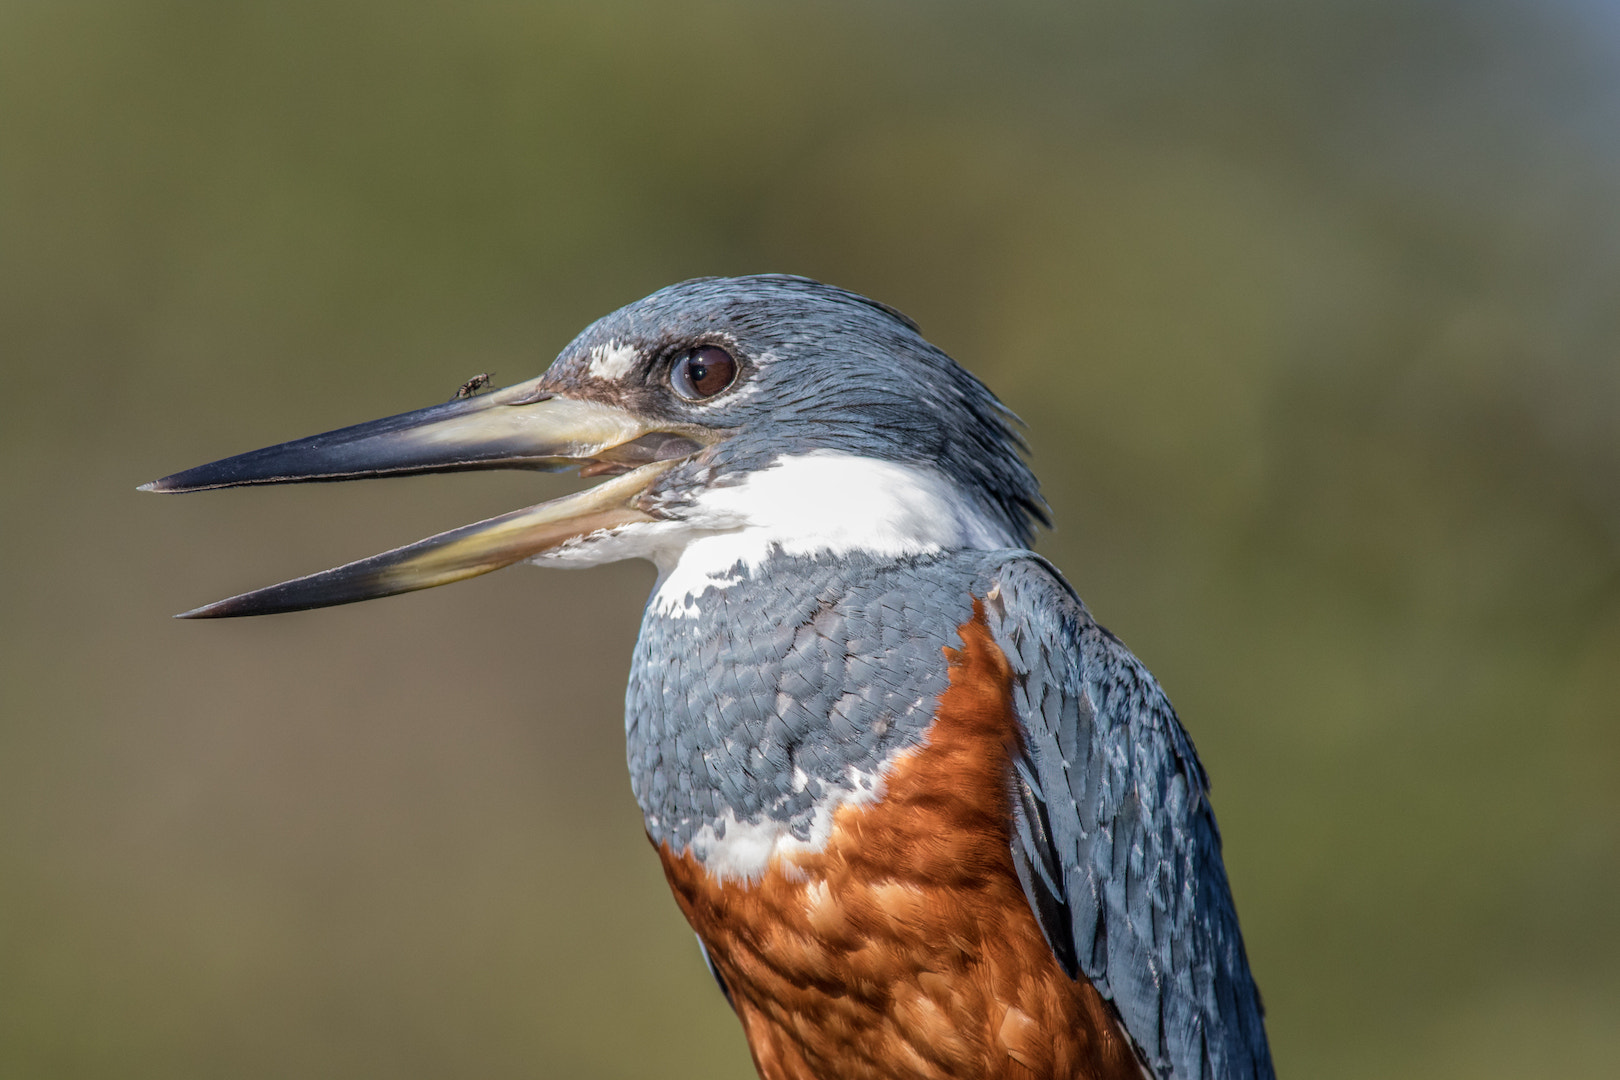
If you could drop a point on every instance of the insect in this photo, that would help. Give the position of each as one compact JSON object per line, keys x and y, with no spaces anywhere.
{"x":473,"y":385}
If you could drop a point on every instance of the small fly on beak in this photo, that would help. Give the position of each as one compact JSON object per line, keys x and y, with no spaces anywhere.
{"x":519,"y":427}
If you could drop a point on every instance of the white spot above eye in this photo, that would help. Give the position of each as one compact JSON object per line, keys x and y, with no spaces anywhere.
{"x":612,"y":360}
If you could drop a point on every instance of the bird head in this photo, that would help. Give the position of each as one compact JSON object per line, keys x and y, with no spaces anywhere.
{"x":732,"y":418}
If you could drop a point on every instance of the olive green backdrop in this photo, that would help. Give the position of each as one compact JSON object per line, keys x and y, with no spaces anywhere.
{"x":1313,"y":311}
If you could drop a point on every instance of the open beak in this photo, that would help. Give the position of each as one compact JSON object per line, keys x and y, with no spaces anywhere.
{"x":519,"y":427}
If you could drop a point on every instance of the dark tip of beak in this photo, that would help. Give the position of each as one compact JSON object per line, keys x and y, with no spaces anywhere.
{"x":226,"y":609}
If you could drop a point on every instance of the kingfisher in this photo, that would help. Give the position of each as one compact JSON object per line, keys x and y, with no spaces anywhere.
{"x":927,"y":818}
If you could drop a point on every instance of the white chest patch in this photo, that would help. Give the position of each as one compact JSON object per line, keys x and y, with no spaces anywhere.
{"x":821,"y":503}
{"x":743,"y":851}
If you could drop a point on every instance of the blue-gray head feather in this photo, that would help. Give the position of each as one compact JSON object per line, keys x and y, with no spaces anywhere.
{"x":822,"y":369}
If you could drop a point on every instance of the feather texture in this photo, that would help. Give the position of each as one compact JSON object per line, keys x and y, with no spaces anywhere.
{"x":1116,"y":830}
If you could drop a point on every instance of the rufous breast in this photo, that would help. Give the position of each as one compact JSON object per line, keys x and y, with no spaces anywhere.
{"x":905,"y":948}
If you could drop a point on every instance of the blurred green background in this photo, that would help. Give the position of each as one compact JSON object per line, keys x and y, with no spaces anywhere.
{"x":1313,"y":310}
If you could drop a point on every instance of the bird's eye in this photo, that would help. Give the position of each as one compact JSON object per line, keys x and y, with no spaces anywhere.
{"x":703,"y":372}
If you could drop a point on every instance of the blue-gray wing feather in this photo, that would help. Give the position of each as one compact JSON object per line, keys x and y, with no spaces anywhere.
{"x":1114,"y":839}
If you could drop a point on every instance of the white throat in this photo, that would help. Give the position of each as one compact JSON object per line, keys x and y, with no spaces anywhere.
{"x":823,"y":502}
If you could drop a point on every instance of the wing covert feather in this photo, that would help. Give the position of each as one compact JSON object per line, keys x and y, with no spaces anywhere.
{"x":1114,"y":839}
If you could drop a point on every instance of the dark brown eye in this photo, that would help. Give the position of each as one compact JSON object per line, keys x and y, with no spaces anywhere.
{"x":703,"y":373}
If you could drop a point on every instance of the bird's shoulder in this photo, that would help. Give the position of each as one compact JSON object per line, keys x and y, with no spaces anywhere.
{"x":1059,"y":651}
{"x":1113,"y":835}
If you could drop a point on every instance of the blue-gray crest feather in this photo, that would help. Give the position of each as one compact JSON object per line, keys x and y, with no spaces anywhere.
{"x":832,"y":370}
